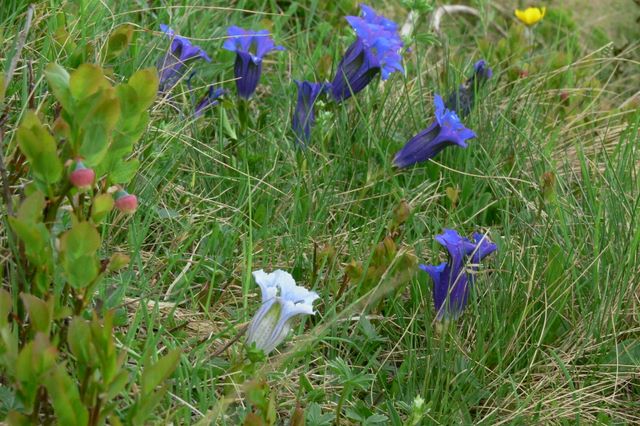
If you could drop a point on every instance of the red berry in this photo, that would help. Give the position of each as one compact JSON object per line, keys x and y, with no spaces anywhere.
{"x":126,"y":203}
{"x":82,"y":178}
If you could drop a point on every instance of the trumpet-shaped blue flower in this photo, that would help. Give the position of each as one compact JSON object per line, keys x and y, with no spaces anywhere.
{"x":282,"y":300}
{"x":375,"y":50}
{"x":250,"y":47}
{"x":210,"y":99}
{"x":461,"y":100}
{"x":450,"y":279}
{"x":445,"y":131}
{"x":304,"y":115}
{"x":171,"y":66}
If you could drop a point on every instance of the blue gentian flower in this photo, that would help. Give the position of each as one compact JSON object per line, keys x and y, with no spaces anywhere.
{"x":461,"y":100}
{"x":375,"y":50}
{"x":450,"y":279}
{"x":483,"y":248}
{"x":171,"y":66}
{"x":445,"y":131}
{"x":210,"y":99}
{"x":304,"y":115}
{"x":250,"y":47}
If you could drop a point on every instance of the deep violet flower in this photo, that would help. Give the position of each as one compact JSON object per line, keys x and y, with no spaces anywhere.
{"x":250,"y":47}
{"x":171,"y":66}
{"x":450,"y":279}
{"x":209,"y":100}
{"x":375,"y":50}
{"x":304,"y":115}
{"x":282,"y":300}
{"x":445,"y":131}
{"x":461,"y":100}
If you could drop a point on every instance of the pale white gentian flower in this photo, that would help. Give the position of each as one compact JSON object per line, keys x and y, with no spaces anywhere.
{"x":282,"y":300}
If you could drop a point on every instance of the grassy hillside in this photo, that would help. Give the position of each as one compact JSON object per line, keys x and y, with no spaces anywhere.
{"x":551,"y":331}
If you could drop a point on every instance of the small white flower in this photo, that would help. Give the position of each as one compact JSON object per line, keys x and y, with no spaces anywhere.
{"x":282,"y":300}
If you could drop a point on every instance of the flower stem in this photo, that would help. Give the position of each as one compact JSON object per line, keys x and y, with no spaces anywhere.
{"x":343,"y":397}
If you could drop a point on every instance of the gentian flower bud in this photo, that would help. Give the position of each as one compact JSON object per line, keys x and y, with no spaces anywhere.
{"x":304,"y":115}
{"x":375,"y":50}
{"x":210,"y":99}
{"x":451,"y":279}
{"x":461,"y":100}
{"x":447,"y":130}
{"x":125,"y":202}
{"x":282,"y":300}
{"x":82,"y":178}
{"x":250,"y":47}
{"x":171,"y":66}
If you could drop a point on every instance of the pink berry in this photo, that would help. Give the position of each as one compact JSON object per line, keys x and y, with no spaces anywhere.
{"x":126,"y":203}
{"x":82,"y":177}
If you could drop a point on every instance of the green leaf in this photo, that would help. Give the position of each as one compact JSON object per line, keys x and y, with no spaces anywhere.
{"x":79,"y":340}
{"x":65,"y":398}
{"x":86,"y":80}
{"x":78,"y":247}
{"x":40,"y":149}
{"x":98,"y":127}
{"x":129,"y":107}
{"x":121,"y":146}
{"x":118,"y":384}
{"x":110,"y":360}
{"x":159,"y":372}
{"x":143,"y":408}
{"x":35,"y":237}
{"x":315,"y":417}
{"x":118,"y":42}
{"x":226,"y":125}
{"x":123,"y":140}
{"x":40,"y":312}
{"x":145,"y":83}
{"x":6,"y":306}
{"x":124,"y":171}
{"x":31,"y":209}
{"x":58,"y":79}
{"x":36,"y":358}
{"x":101,"y":206}
{"x":2,"y":89}
{"x":29,"y":228}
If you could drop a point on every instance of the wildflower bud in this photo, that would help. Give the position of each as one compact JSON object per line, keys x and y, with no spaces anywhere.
{"x":82,"y":177}
{"x":282,"y":300}
{"x":125,"y":202}
{"x":418,"y":411}
{"x":548,"y":185}
{"x":401,"y":213}
{"x":117,"y":261}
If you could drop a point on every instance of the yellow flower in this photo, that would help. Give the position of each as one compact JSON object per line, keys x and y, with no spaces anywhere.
{"x":530,"y":15}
